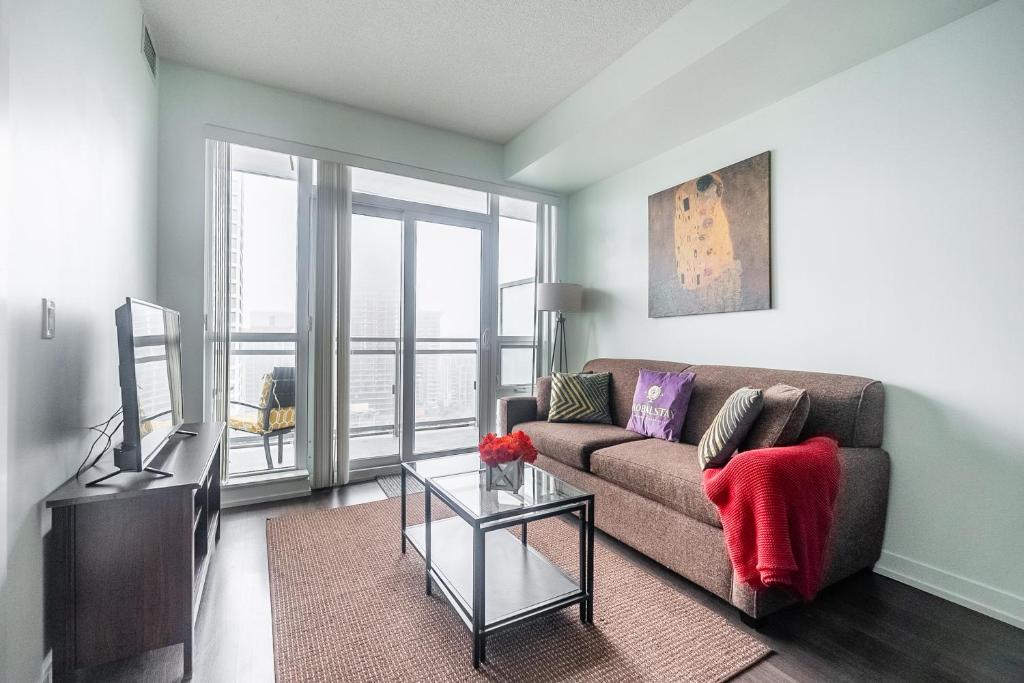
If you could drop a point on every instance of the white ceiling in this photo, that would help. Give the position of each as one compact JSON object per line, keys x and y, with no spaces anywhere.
{"x":713,"y":62}
{"x":485,"y":68}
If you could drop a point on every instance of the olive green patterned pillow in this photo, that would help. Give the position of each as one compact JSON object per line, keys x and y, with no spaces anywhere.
{"x":729,"y":427}
{"x":580,"y":398}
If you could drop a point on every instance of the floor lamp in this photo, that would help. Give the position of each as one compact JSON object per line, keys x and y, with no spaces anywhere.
{"x":559,"y":297}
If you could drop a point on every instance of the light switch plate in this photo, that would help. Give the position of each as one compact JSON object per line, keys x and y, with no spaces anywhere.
{"x":49,"y":318}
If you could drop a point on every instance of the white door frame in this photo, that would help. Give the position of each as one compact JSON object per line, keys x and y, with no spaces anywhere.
{"x":302,"y":439}
{"x":410,"y":213}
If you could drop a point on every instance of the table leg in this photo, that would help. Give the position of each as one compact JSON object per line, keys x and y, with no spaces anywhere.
{"x":403,"y":509}
{"x":591,"y":517}
{"x":583,"y":561}
{"x":479,"y":574}
{"x":523,"y":535}
{"x":426,"y":517}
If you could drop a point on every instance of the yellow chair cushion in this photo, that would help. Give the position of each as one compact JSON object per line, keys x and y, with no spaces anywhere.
{"x":246,"y":425}
{"x":282,"y":418}
{"x":268,"y":383}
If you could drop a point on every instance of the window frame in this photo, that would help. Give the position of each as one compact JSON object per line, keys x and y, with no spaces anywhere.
{"x":550,"y":225}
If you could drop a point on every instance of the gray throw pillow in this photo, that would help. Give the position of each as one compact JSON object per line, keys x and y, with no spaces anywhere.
{"x":782,"y":418}
{"x":580,"y":398}
{"x":729,"y":427}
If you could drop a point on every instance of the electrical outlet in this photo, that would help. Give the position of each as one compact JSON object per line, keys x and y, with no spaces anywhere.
{"x":49,"y":318}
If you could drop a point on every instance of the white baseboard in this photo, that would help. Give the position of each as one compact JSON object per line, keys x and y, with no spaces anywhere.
{"x":371,"y":473}
{"x":280,"y":488}
{"x":990,"y":601}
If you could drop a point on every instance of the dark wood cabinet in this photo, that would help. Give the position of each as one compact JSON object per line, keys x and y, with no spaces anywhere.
{"x":129,"y":557}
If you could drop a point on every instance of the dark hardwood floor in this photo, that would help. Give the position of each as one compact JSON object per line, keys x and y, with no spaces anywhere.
{"x":867,"y":628}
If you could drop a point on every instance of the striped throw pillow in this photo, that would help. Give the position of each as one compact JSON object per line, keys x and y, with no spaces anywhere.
{"x":729,"y":427}
{"x":580,"y":398}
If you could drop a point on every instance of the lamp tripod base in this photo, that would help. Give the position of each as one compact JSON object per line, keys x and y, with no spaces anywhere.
{"x":558,"y":347}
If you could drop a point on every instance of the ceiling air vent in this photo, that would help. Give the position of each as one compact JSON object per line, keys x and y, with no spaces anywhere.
{"x":148,"y":51}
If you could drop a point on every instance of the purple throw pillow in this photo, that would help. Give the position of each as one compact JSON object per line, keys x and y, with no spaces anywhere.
{"x":659,"y":404}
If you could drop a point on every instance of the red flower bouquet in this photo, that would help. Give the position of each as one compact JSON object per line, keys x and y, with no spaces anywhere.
{"x":498,"y":450}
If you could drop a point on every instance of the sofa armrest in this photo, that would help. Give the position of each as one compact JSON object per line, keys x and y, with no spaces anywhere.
{"x":859,"y":523}
{"x":858,"y":527}
{"x":513,"y":410}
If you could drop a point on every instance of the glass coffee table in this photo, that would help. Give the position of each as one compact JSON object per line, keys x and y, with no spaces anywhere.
{"x":457,"y":551}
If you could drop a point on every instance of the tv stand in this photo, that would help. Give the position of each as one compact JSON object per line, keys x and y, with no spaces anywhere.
{"x":150,"y":539}
{"x":108,"y":475}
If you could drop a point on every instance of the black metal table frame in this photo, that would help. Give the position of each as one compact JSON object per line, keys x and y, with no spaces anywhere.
{"x":583,"y":506}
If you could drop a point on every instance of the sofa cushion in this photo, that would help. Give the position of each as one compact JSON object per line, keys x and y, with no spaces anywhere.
{"x":782,"y":418}
{"x":625,"y":373}
{"x":660,"y":470}
{"x":572,"y":443}
{"x":580,"y":398}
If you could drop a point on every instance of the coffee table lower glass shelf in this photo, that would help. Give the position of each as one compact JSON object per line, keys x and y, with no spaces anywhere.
{"x":523,"y":584}
{"x":527,"y":580}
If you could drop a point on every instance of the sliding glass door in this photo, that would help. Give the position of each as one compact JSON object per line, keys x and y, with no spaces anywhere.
{"x":447,"y":338}
{"x":267,"y":273}
{"x":415,"y":335}
{"x":375,"y":328}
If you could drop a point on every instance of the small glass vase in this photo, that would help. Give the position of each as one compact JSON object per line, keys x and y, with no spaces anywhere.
{"x":506,"y":476}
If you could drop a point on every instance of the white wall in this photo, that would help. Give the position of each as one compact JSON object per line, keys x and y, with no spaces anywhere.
{"x":5,"y":140}
{"x":191,"y":99}
{"x":83,"y":117}
{"x":896,"y":244}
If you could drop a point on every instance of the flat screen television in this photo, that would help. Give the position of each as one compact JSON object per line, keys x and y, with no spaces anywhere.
{"x":149,"y":352}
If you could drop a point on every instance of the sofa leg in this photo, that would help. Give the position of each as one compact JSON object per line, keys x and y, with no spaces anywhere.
{"x":752,"y":622}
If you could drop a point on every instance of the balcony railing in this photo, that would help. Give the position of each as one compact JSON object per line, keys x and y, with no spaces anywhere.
{"x":443,"y":422}
{"x":253,"y":355}
{"x":375,"y":388}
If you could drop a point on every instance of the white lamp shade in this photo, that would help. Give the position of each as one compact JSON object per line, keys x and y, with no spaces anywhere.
{"x":559,"y":296}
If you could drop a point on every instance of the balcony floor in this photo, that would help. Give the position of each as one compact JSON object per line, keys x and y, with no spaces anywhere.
{"x":250,"y":459}
{"x":427,"y":441}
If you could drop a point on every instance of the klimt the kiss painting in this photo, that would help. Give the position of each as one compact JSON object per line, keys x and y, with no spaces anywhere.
{"x":709,"y":242}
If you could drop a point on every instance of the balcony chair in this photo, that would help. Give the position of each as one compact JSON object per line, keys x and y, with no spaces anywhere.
{"x":275,"y":414}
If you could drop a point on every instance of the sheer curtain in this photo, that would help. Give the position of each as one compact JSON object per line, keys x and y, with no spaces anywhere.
{"x":330,"y":324}
{"x":343,"y":254}
{"x":216,"y":330}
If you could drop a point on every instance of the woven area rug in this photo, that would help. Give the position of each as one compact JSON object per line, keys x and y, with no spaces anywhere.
{"x":348,"y":606}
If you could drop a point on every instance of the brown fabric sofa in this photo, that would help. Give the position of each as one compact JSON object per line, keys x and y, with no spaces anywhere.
{"x":649,"y":492}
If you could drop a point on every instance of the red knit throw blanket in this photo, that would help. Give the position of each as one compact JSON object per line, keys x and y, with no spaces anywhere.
{"x":776,"y":507}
